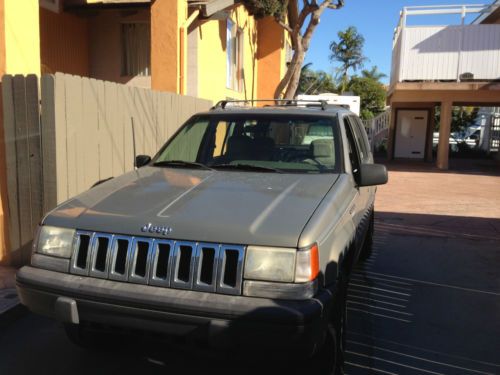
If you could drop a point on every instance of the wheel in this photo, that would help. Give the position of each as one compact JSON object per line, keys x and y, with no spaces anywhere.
{"x":329,"y":359}
{"x":366,"y":251}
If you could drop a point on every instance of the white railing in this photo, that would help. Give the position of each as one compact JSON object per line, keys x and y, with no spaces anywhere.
{"x":377,"y":128}
{"x":446,"y":53}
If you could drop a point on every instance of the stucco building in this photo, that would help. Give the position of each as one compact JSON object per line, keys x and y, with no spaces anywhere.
{"x":441,"y":66}
{"x":210,"y":49}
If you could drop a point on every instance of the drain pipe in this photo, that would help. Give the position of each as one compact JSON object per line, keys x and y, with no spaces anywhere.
{"x":183,"y":51}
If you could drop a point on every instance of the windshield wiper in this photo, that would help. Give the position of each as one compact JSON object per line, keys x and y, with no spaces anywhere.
{"x":247,"y":167}
{"x":182,"y":163}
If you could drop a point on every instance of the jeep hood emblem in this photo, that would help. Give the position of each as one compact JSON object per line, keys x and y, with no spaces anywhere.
{"x":164,"y":230}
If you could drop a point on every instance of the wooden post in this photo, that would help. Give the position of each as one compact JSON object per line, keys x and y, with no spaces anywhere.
{"x":444,"y":135}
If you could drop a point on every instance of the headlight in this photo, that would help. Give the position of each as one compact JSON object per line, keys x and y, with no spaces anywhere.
{"x":270,"y":264}
{"x":281,"y":264}
{"x":55,"y":241}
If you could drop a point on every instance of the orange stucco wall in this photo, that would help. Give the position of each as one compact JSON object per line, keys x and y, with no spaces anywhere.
{"x":164,"y":45}
{"x":270,"y":41}
{"x":64,"y":43}
{"x":3,"y":177}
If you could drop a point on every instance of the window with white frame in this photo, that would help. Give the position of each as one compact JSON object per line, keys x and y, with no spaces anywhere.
{"x":234,"y":51}
{"x":136,"y":49}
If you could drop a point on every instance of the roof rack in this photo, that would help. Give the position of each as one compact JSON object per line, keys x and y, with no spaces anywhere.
{"x":283,"y":103}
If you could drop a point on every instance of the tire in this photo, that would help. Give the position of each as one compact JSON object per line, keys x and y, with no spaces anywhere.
{"x":339,"y":321}
{"x":329,"y":359}
{"x":366,"y":251}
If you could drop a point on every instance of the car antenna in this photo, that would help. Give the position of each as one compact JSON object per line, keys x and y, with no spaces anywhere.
{"x":133,"y":141}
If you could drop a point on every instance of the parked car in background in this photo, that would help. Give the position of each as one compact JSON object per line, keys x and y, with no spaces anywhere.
{"x":241,"y":233}
{"x":470,"y":136}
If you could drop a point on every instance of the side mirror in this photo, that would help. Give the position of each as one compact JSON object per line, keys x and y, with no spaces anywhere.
{"x":142,"y":160}
{"x":372,"y":174}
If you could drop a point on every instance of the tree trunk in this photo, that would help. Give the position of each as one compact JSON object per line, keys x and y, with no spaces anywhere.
{"x":291,"y":89}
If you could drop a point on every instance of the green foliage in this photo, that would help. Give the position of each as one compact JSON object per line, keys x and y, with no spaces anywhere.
{"x":315,"y":82}
{"x":348,"y":51}
{"x":262,"y":8}
{"x":371,"y":93}
{"x":461,"y":118}
{"x":373,"y":73}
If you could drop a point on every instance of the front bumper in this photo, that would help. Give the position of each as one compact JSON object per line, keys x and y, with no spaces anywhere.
{"x":222,"y":321}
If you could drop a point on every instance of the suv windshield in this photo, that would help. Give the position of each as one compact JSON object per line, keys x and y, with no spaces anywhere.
{"x":245,"y":142}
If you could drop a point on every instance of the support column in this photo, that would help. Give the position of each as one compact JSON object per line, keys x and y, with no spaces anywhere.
{"x":444,"y":135}
{"x":430,"y":135}
{"x":390,"y":136}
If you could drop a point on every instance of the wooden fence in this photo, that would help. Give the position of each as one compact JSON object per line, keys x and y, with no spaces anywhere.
{"x":73,"y":132}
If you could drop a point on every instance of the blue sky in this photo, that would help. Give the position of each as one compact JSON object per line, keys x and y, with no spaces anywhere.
{"x":375,"y":20}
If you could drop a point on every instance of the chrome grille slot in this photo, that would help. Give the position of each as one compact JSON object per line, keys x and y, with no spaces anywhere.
{"x":142,"y":249}
{"x":81,"y":255}
{"x":120,"y":258}
{"x":184,"y":256}
{"x":100,"y":245}
{"x":230,"y":269}
{"x":206,"y":267}
{"x":162,"y":259}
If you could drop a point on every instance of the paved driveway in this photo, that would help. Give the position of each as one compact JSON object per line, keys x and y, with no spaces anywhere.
{"x":428,"y":301}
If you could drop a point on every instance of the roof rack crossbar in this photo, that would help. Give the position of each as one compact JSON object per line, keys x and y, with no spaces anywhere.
{"x":284,"y":102}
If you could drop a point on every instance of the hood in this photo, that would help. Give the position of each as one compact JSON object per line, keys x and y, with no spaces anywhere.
{"x":222,"y":207}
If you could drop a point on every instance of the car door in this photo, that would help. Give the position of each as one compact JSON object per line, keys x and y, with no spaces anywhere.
{"x":359,"y":153}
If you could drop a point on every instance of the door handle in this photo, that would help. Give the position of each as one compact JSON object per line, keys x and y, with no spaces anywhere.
{"x":352,"y":210}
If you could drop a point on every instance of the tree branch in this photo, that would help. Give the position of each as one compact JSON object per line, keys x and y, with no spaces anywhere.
{"x":284,"y":25}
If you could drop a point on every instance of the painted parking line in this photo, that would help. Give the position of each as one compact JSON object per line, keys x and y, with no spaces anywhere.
{"x":381,"y":289}
{"x":369,"y":368}
{"x":369,"y":282}
{"x":436,"y":284}
{"x":395,"y":363}
{"x":419,"y":358}
{"x":351,"y":290}
{"x":379,"y":308}
{"x":376,"y":301}
{"x":382,"y":279}
{"x":379,"y":315}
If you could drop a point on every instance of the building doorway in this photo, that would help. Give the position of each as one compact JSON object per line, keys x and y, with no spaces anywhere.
{"x":411,"y":130}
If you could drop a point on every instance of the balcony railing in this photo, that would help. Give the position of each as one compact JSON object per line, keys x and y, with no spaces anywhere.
{"x":446,"y":53}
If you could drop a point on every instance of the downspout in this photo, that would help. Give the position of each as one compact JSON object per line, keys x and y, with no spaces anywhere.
{"x":183,"y":51}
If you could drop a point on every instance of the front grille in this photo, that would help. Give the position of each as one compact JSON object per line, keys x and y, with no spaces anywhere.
{"x":207,"y":267}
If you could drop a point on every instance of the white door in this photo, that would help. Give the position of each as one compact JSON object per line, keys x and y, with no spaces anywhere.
{"x":411,"y":128}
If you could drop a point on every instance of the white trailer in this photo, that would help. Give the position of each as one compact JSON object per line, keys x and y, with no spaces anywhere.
{"x":351,"y":102}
